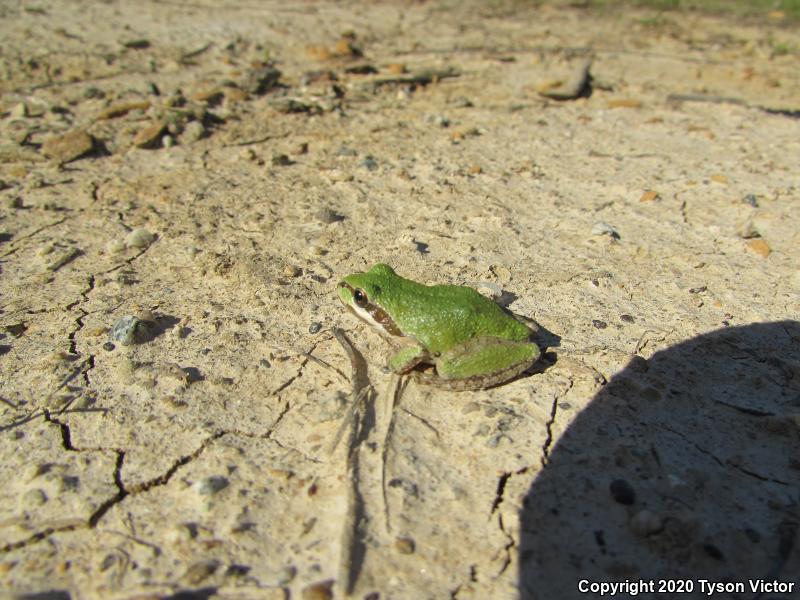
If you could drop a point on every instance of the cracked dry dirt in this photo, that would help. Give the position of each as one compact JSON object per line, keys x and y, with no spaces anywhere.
{"x":650,"y":227}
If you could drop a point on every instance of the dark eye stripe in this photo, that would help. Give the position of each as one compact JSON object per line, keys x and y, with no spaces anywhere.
{"x":378,"y":314}
{"x":383,"y":319}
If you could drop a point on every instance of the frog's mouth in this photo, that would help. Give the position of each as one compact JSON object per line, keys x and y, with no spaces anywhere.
{"x":371,"y":313}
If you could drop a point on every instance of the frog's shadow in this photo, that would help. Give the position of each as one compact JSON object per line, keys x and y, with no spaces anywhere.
{"x":683,"y":465}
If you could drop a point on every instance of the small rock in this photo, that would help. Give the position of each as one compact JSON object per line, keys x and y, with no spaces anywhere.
{"x":622,"y":491}
{"x":20,"y":111}
{"x":128,"y":331}
{"x":211,"y":485}
{"x":719,"y":178}
{"x":404,"y":545}
{"x":369,"y":163}
{"x":115,"y":246}
{"x":108,"y":346}
{"x":649,"y":196}
{"x":150,"y":136}
{"x":93,"y":92}
{"x":140,"y":44}
{"x":328,"y":215}
{"x":293,"y":105}
{"x":292,"y":271}
{"x":575,"y":86}
{"x":281,"y":160}
{"x":336,"y":175}
{"x":346,"y":151}
{"x":193,"y":131}
{"x":34,"y":497}
{"x":751,"y":200}
{"x":624,"y":103}
{"x":644,"y":523}
{"x":758,"y":246}
{"x":139,"y":238}
{"x":322,"y":590}
{"x":167,"y":141}
{"x":603,"y":228}
{"x":625,"y":318}
{"x":200,"y":571}
{"x":598,"y":324}
{"x":286,"y":575}
{"x":69,"y":146}
{"x":261,"y":80}
{"x":121,"y":109}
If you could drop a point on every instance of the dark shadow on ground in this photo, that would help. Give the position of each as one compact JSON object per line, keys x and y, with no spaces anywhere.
{"x":702,"y":445}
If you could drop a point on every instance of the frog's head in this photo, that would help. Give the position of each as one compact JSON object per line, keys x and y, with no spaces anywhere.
{"x":362,"y":293}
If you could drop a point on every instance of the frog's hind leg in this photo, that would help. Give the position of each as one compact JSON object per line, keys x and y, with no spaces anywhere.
{"x":484,"y":362}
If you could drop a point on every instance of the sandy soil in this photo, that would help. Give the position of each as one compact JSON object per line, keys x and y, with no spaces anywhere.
{"x":209,"y":170}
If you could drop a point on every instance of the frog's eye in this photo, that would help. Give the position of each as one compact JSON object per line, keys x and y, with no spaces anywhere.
{"x":360,"y":297}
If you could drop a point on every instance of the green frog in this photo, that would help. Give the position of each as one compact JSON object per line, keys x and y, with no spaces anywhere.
{"x":471,"y":341}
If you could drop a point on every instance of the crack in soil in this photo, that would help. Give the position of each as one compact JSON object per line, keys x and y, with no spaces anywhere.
{"x":31,"y":234}
{"x":122,"y":491}
{"x":506,"y":548}
{"x":73,"y":344}
{"x":548,"y":442}
{"x":722,"y":463}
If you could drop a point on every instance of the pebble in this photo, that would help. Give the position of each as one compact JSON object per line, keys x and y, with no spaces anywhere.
{"x":20,"y":111}
{"x":345,"y":151}
{"x":34,"y":497}
{"x":292,"y":271}
{"x":286,"y":574}
{"x":108,"y":346}
{"x":759,"y":246}
{"x":281,"y":160}
{"x":115,"y":246}
{"x":649,"y":196}
{"x":128,"y":331}
{"x":622,"y":491}
{"x":751,"y":200}
{"x":293,"y":105}
{"x":404,"y":545}
{"x":335,"y":175}
{"x":603,"y":228}
{"x":314,"y":327}
{"x":644,"y":523}
{"x":598,"y":324}
{"x":626,"y":318}
{"x":624,"y":103}
{"x":167,"y":141}
{"x":211,"y":485}
{"x":120,"y":109}
{"x":139,"y":238}
{"x":261,"y":80}
{"x":328,"y":215}
{"x":193,"y":131}
{"x":322,"y":590}
{"x":573,"y":87}
{"x":69,"y":146}
{"x":369,"y":163}
{"x":150,"y":136}
{"x":200,"y":571}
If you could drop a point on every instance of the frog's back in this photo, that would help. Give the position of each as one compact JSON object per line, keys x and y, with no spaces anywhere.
{"x":462,"y":313}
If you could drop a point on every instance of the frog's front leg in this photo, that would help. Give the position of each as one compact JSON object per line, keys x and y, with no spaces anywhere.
{"x":407,"y":358}
{"x":484,"y":361}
